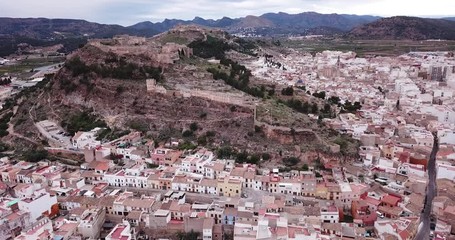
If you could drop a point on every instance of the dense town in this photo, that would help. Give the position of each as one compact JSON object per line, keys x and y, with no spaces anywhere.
{"x":135,"y":188}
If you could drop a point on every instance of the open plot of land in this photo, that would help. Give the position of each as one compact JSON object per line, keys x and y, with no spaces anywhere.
{"x":274,"y":113}
{"x":54,"y":133}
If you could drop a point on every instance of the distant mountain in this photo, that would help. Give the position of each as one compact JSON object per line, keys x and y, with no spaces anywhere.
{"x":253,"y":22}
{"x":450,"y":18}
{"x":72,"y":33}
{"x":168,"y":24}
{"x":52,"y":29}
{"x":270,"y":23}
{"x":44,"y":28}
{"x":308,"y":20}
{"x":401,"y":27}
{"x":69,"y":32}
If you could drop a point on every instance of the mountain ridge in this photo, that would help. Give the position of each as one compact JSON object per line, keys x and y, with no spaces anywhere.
{"x":406,"y":28}
{"x":72,"y":33}
{"x":294,"y":23}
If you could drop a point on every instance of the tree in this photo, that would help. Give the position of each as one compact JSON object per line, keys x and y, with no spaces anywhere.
{"x":191,"y":235}
{"x":305,"y":167}
{"x":318,"y":164}
{"x":327,"y":108}
{"x":266,"y":156}
{"x":305,"y":107}
{"x":242,"y":157}
{"x":35,"y":155}
{"x":254,"y":159}
{"x":3,"y":147}
{"x":210,"y":134}
{"x":203,"y":115}
{"x":314,"y":108}
{"x":320,"y":95}
{"x":187,"y":145}
{"x":82,"y":121}
{"x":120,"y":89}
{"x":302,"y":88}
{"x":225,"y":152}
{"x":202,"y":140}
{"x":187,"y":133}
{"x":334,"y":100}
{"x":289,"y":91}
{"x":291,"y":161}
{"x":194,"y":127}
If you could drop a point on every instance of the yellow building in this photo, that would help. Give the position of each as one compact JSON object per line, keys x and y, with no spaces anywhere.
{"x":230,"y":187}
{"x":153,"y":181}
{"x":321,"y":191}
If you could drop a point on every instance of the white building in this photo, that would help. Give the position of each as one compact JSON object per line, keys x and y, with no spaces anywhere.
{"x":40,"y":203}
{"x":42,"y":229}
{"x":91,"y":222}
{"x":446,"y":136}
{"x":330,"y":214}
{"x":86,"y":139}
{"x":443,"y":113}
{"x":411,"y":169}
{"x":290,"y":186}
{"x":207,"y":228}
{"x":197,"y":163}
{"x":445,"y":171}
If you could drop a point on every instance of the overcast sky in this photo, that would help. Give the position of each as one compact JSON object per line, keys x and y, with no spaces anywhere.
{"x":127,"y":12}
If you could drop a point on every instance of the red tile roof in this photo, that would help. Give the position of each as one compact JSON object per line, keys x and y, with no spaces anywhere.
{"x":391,"y":200}
{"x":372,"y":201}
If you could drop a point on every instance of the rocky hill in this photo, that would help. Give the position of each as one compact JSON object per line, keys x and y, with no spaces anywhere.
{"x":164,"y":88}
{"x":152,"y":85}
{"x":403,"y":28}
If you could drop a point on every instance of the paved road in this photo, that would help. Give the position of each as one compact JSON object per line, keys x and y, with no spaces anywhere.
{"x":41,"y":71}
{"x":424,"y":228}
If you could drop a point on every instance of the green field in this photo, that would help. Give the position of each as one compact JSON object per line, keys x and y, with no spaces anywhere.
{"x":27,"y":65}
{"x":369,"y":47}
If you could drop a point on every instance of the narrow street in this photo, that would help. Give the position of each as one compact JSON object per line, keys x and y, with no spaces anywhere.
{"x":424,"y":227}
